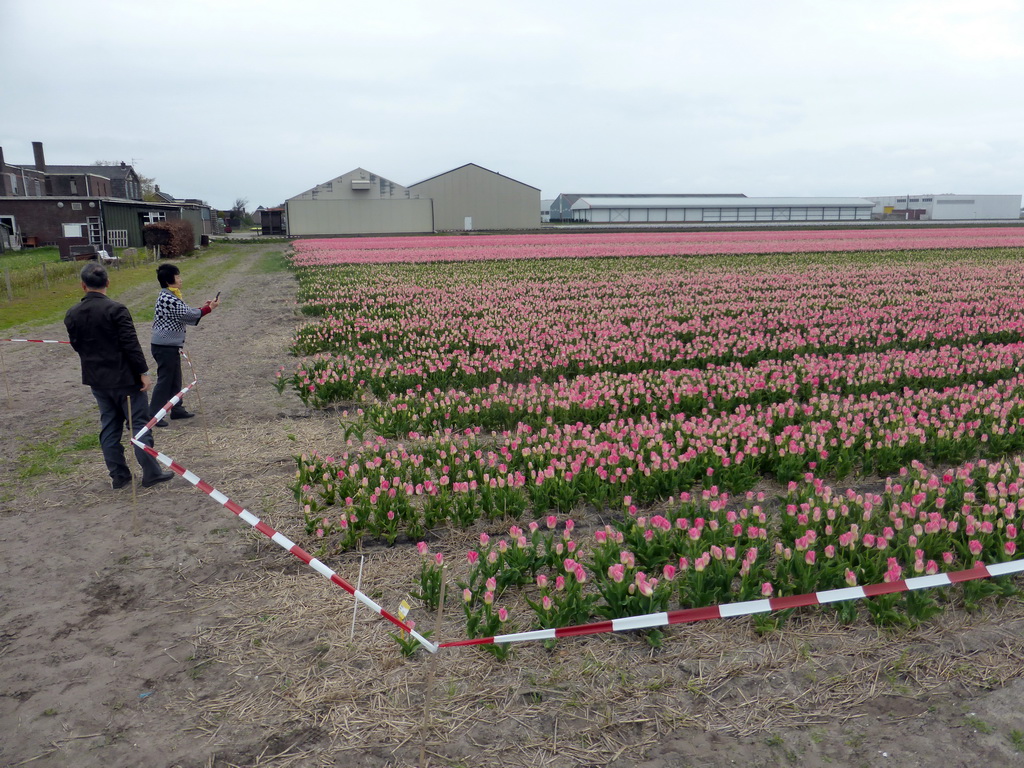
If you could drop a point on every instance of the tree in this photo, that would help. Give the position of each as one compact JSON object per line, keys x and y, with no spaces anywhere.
{"x":238,"y":211}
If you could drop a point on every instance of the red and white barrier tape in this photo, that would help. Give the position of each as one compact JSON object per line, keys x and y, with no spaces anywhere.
{"x":750,"y":607}
{"x":39,"y":341}
{"x":281,"y":540}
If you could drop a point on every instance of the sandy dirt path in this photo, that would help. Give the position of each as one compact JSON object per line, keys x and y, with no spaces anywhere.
{"x":96,"y":625}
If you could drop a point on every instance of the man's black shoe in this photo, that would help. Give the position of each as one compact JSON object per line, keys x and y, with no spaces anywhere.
{"x":163,"y":477}
{"x":182,"y":414}
{"x":121,"y":483}
{"x":162,"y":423}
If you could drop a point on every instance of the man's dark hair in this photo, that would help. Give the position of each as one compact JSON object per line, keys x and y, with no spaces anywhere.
{"x":165,"y":274}
{"x":94,"y":275}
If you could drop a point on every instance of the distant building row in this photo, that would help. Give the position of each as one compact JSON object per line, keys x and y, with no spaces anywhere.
{"x":471,"y":197}
{"x":96,"y":204}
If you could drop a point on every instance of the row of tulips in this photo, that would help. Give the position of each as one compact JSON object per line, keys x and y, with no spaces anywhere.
{"x":383,"y":490}
{"x":710,"y":549}
{"x":594,"y":245}
{"x":447,"y":331}
{"x":599,"y":397}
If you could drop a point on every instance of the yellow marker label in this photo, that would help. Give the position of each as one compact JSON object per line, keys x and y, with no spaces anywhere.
{"x":403,"y":610}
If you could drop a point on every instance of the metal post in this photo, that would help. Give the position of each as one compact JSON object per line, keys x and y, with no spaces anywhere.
{"x":431,"y":669}
{"x":46,"y":280}
{"x":359,"y":586}
{"x":7,"y":279}
{"x":131,"y":449}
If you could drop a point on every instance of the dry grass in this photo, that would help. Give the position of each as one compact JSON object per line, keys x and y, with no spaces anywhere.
{"x":288,"y":665}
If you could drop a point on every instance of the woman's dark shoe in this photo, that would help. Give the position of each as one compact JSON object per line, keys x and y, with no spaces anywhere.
{"x":163,"y":477}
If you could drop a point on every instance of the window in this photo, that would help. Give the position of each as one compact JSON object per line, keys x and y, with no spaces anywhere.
{"x":14,"y":183}
{"x":75,"y":230}
{"x":39,"y":188}
{"x":74,"y":187}
{"x":151,"y":217}
{"x":118,"y":237}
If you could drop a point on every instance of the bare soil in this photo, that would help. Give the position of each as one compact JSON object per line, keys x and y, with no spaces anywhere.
{"x":160,"y":630}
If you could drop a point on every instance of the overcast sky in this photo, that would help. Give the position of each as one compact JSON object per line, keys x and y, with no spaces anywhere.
{"x":219,"y":100}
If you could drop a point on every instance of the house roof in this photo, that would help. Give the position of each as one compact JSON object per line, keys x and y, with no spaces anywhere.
{"x":163,"y":195}
{"x":109,"y":171}
{"x":57,"y":170}
{"x":467,"y":165}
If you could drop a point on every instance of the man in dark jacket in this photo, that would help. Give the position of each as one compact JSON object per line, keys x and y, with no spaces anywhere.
{"x":103,"y":334}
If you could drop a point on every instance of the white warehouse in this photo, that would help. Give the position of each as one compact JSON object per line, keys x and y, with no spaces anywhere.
{"x":651,"y":209}
{"x":949,"y":207}
{"x":465,"y":198}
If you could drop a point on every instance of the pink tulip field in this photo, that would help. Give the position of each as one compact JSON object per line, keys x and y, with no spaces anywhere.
{"x":669,"y":430}
{"x":427,"y":249}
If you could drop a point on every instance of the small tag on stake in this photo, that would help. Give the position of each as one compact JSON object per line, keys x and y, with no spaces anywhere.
{"x":403,"y":610}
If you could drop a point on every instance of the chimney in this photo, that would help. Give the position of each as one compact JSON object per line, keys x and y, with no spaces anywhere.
{"x":1,"y":159}
{"x":37,"y":150}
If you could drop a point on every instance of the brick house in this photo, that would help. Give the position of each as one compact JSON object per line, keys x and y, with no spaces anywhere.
{"x":82,"y":204}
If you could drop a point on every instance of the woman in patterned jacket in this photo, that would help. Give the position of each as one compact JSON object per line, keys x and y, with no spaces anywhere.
{"x":170,"y":317}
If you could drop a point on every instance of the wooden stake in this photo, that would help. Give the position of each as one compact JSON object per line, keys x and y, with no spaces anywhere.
{"x":131,"y":445}
{"x":431,"y":668}
{"x":7,"y":386}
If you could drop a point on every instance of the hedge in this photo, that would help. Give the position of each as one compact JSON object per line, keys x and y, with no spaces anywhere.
{"x":174,"y":237}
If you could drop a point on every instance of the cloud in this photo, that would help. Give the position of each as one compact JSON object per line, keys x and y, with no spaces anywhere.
{"x":791,"y":97}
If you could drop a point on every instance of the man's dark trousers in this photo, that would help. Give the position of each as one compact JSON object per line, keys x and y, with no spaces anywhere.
{"x":113,"y":416}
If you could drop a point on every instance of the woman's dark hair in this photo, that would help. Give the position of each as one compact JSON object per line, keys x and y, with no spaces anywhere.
{"x":165,"y":274}
{"x":94,"y":275}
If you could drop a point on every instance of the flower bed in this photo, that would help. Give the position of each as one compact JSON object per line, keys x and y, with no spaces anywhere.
{"x":659,"y":393}
{"x":413,"y":250}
